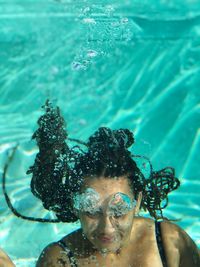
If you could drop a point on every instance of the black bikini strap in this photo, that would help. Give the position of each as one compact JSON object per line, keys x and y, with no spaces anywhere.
{"x":70,"y":254}
{"x":160,"y":244}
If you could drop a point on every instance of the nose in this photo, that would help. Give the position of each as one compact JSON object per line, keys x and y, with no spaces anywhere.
{"x":106,"y":226}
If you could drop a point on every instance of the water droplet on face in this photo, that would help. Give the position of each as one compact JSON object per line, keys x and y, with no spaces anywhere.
{"x":93,"y":258}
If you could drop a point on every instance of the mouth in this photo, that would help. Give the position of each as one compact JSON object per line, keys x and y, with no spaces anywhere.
{"x":106,"y":239}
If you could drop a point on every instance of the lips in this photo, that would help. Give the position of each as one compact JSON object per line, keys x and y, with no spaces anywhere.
{"x":106,"y":238}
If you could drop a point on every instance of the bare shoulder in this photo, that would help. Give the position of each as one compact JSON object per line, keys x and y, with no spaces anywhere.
{"x":53,"y":256}
{"x":5,"y":260}
{"x":144,"y":223}
{"x":175,"y":239}
{"x":171,"y":231}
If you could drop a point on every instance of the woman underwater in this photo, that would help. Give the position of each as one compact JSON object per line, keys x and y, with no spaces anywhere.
{"x":100,"y":184}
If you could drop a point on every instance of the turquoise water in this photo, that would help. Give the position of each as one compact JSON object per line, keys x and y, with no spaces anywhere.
{"x":105,"y":64}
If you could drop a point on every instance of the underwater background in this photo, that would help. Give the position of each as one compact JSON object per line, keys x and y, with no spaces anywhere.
{"x":131,"y":64}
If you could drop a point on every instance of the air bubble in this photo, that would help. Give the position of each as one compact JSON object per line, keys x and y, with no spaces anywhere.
{"x":78,"y":66}
{"x":89,"y":21}
{"x":92,"y":53}
{"x":85,"y":10}
{"x":109,"y":9}
{"x":124,"y":20}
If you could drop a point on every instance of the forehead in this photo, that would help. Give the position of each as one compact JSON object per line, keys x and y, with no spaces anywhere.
{"x":106,"y":186}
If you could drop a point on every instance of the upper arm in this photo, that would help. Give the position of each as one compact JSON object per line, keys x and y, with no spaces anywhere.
{"x":5,"y":260}
{"x":189,"y":252}
{"x":53,"y":256}
{"x":179,"y":246}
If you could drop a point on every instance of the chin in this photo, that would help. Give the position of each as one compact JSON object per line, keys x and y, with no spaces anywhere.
{"x":106,"y":247}
{"x":111,"y":248}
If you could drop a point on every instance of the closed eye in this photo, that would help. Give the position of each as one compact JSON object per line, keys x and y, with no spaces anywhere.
{"x":93,"y":214}
{"x":118,"y":214}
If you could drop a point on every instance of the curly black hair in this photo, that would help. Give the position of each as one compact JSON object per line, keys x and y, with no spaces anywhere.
{"x":59,"y":170}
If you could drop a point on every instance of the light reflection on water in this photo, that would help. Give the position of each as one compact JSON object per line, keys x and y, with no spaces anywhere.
{"x":131,"y":66}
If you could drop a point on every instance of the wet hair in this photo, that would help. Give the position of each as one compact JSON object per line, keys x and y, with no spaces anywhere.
{"x":60,"y":168}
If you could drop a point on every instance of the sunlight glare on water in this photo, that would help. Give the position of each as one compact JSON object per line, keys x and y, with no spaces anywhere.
{"x":133,"y":65}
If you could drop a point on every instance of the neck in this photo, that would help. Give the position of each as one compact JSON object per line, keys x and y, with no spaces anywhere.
{"x":105,"y":253}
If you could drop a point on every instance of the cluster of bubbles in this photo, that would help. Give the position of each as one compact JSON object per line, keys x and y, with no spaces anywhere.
{"x":103,"y":30}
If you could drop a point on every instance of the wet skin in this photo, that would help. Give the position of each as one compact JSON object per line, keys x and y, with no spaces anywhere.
{"x":108,"y":233}
{"x":5,"y":261}
{"x":127,"y":240}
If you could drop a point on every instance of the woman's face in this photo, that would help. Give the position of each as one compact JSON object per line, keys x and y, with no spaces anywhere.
{"x":107,"y":221}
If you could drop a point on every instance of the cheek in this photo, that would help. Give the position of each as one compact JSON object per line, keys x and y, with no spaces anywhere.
{"x":88,"y":225}
{"x":125,"y":224}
